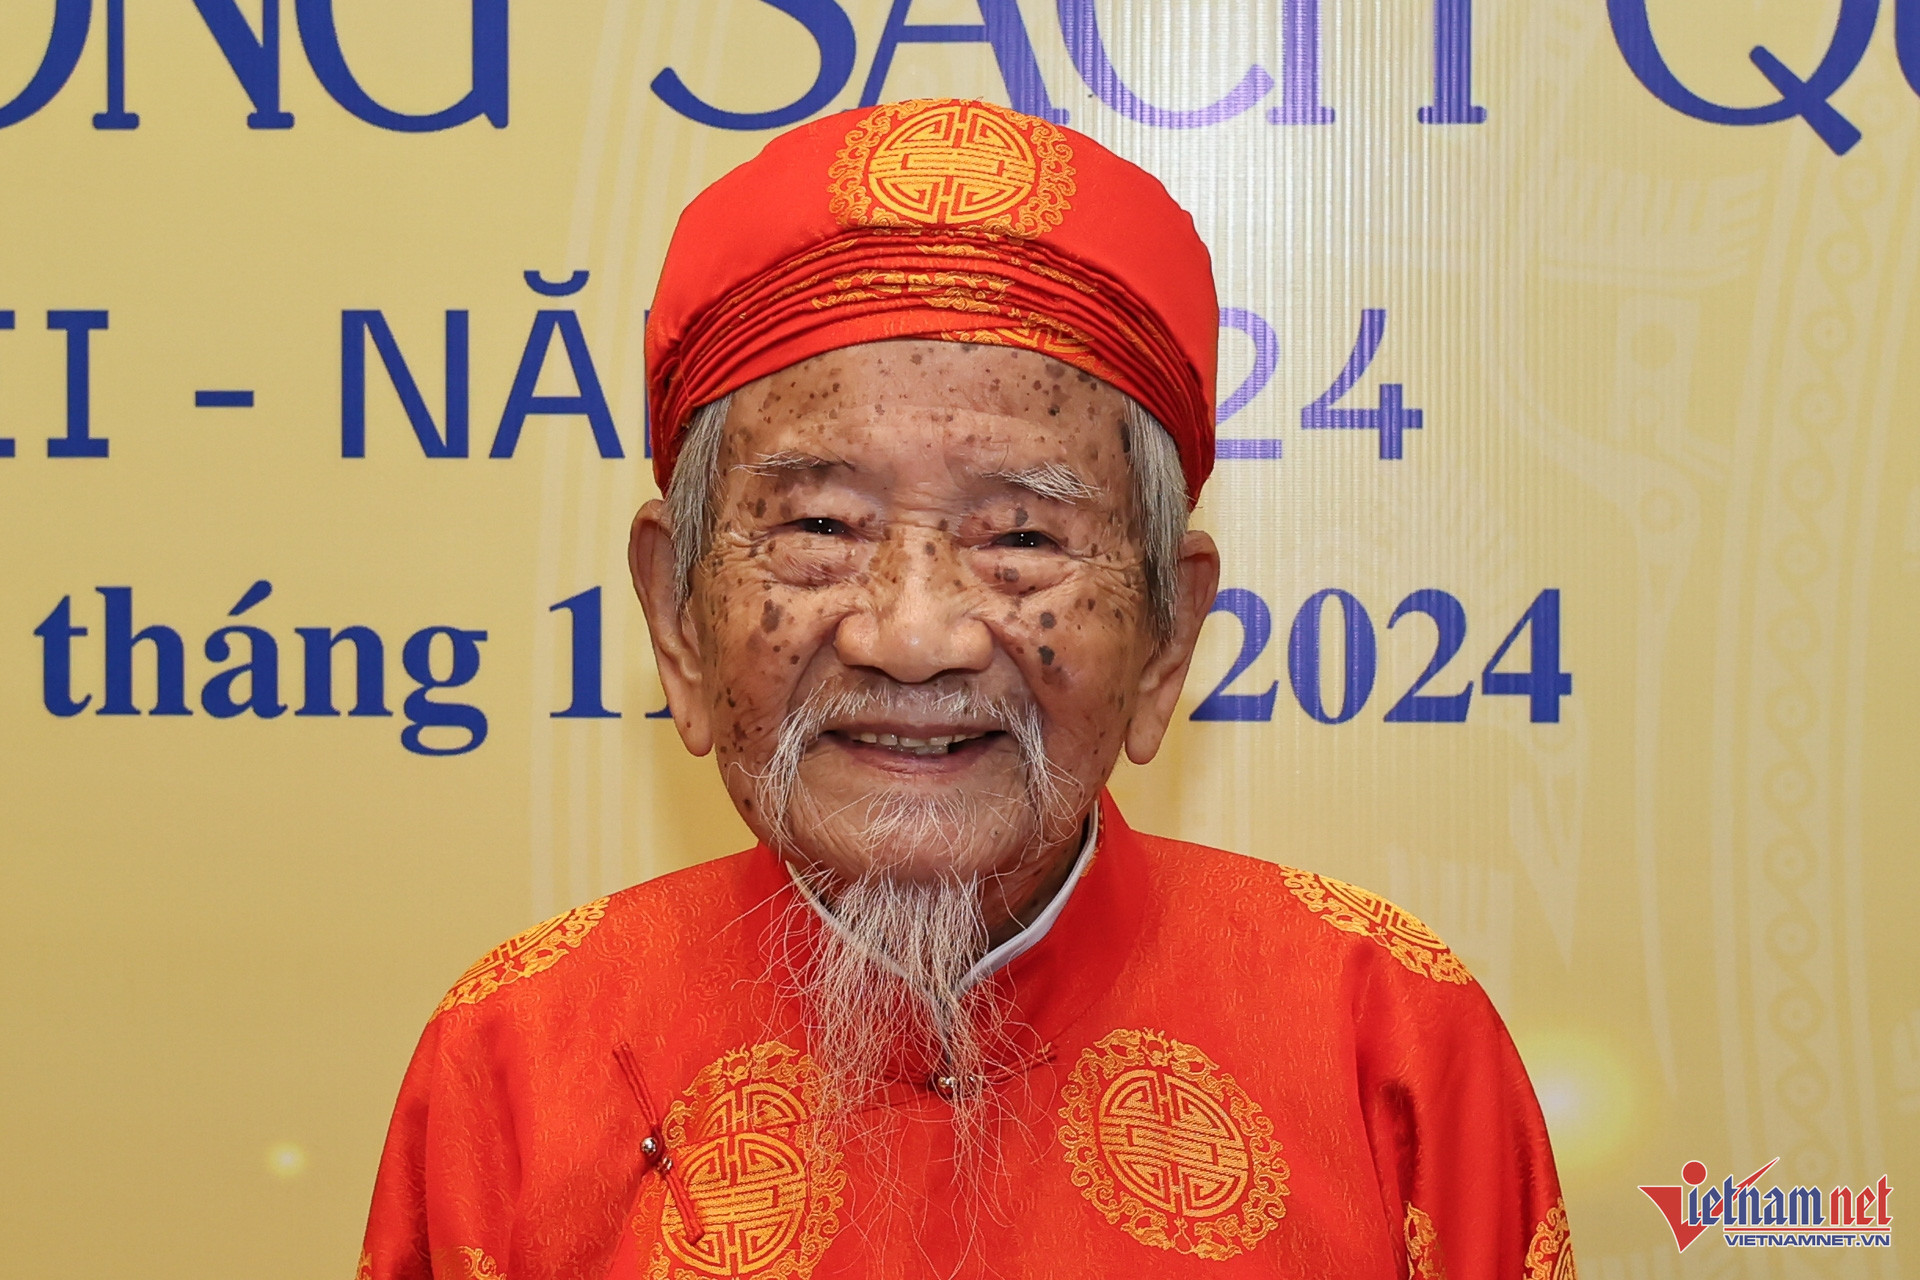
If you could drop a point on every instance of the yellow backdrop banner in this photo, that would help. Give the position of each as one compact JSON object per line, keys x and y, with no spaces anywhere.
{"x":1569,"y":491}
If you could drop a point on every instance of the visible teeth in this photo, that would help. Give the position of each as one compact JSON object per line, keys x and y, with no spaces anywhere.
{"x":938,"y":745}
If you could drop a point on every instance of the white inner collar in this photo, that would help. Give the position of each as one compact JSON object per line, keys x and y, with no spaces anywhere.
{"x":1020,"y":943}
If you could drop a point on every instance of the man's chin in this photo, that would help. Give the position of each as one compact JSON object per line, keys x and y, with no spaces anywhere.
{"x":909,"y":847}
{"x":848,"y":859}
{"x":909,"y":831}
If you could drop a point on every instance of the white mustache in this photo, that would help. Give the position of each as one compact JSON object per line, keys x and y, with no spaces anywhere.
{"x":1046,"y":786}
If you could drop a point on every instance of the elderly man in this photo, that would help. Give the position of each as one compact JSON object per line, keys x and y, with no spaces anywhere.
{"x":933,"y":396}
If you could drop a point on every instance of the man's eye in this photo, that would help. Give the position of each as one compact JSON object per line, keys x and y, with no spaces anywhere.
{"x":1024,"y":540}
{"x":825,"y":526}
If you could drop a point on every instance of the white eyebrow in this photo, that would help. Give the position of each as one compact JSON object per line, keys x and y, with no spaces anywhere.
{"x":1055,"y":481}
{"x":786,"y":462}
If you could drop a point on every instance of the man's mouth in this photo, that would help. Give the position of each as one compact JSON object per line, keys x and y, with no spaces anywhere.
{"x":934,"y":745}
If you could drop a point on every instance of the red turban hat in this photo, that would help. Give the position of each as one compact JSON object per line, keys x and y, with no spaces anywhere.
{"x":943,"y":219}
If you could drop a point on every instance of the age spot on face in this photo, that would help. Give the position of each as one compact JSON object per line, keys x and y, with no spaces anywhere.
{"x":955,"y":420}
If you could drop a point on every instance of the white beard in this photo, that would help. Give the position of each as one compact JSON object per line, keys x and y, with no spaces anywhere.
{"x":889,"y":970}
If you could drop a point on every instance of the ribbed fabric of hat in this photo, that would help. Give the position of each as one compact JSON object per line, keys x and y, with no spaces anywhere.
{"x":946,"y":219}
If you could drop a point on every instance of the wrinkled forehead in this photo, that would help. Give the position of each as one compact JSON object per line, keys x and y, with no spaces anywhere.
{"x":975,"y":406}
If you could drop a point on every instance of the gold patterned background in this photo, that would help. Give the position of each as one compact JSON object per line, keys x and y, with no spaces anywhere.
{"x":1665,"y":366}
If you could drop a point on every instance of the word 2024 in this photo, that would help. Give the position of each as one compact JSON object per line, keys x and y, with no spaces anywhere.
{"x":1542,"y":683}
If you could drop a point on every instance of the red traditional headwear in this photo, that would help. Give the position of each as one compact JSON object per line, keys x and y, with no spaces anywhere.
{"x":937,"y":218}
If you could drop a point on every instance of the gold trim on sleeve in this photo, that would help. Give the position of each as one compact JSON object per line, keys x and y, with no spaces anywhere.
{"x":1352,"y":909}
{"x":1423,"y":1247}
{"x":1550,"y":1255}
{"x":524,"y":955}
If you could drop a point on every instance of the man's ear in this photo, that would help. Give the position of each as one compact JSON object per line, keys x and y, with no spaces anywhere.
{"x":1166,"y":671}
{"x":676,"y":645}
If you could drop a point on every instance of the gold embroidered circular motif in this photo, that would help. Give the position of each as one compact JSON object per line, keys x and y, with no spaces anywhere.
{"x":767,"y":1184}
{"x":1169,"y":1148}
{"x":524,"y":955}
{"x":1354,"y":910}
{"x":1550,"y":1252}
{"x":928,"y":163}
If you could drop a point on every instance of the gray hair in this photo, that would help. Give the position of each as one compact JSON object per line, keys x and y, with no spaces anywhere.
{"x":1159,"y":501}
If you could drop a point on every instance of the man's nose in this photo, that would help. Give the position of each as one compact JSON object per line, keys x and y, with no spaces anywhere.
{"x":920,"y":618}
